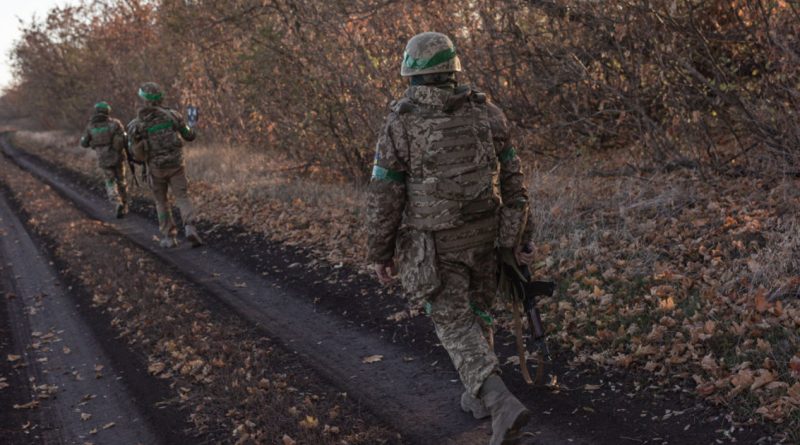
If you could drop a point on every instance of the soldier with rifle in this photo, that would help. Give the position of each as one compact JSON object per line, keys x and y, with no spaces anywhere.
{"x":157,"y":135}
{"x":107,"y":137}
{"x":446,"y":192}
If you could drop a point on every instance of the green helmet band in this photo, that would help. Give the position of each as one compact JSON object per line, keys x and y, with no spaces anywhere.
{"x":150,"y":97}
{"x":421,"y":64}
{"x":104,"y":106}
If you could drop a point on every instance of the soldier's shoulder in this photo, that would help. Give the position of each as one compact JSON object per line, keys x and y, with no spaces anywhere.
{"x":497,"y":117}
{"x":401,"y":106}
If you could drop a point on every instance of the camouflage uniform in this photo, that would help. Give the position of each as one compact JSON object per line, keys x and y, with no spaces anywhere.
{"x":160,"y":133}
{"x":445,"y":180}
{"x":106,"y":136}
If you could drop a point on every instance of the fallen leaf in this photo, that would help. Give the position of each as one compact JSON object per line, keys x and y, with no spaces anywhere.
{"x":794,"y":364}
{"x":156,"y":367}
{"x":109,"y":425}
{"x":288,"y":440}
{"x":30,"y":405}
{"x":761,"y":302}
{"x":372,"y":358}
{"x":309,"y":422}
{"x":13,"y":358}
{"x":589,"y":387}
{"x":85,"y":416}
{"x":764,"y":376}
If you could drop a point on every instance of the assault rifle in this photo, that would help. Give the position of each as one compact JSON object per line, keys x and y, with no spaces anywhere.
{"x":132,"y":164}
{"x":524,"y":290}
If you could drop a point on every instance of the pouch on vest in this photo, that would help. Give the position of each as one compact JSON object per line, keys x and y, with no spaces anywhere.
{"x":417,"y":264}
{"x":163,"y":144}
{"x":102,"y":143}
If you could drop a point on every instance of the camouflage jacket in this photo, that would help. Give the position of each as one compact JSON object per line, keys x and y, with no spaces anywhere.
{"x":399,"y":160}
{"x":161,"y":131}
{"x":106,"y":136}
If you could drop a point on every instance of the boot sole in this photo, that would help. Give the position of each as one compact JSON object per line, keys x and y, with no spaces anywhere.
{"x":512,"y":434}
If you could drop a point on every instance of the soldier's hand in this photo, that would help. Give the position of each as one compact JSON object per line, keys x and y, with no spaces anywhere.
{"x":524,"y":253}
{"x":385,"y":271}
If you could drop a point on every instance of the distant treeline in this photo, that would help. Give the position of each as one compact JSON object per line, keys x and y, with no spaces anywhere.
{"x":714,"y":81}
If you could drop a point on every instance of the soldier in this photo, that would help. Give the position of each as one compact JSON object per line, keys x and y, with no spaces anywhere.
{"x":156,"y":139}
{"x":106,"y":136}
{"x":446,"y":190}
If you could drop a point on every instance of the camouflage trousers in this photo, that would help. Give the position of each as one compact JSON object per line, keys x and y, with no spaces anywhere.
{"x":468,"y":283}
{"x":116,"y":183}
{"x":161,"y":182}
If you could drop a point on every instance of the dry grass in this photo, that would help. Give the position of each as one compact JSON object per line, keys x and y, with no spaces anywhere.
{"x":664,"y":273}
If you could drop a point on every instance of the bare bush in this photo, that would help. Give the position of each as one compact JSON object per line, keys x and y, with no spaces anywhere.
{"x":678,"y":83}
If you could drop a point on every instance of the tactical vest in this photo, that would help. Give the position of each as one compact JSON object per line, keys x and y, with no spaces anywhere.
{"x":102,"y":134}
{"x":102,"y":143}
{"x":164,"y":144}
{"x":454,"y":170}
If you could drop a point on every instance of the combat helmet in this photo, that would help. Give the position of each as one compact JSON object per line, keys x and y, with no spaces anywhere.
{"x":151,"y":93}
{"x":102,"y":107}
{"x":429,"y":53}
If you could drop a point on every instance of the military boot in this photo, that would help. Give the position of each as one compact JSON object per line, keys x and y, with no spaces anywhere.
{"x":474,"y":406}
{"x":120,"y":210}
{"x":509,"y":415}
{"x":193,"y":236}
{"x":168,"y":241}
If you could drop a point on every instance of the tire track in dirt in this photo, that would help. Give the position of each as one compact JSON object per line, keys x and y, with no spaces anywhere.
{"x":409,"y":395}
{"x":79,"y":394}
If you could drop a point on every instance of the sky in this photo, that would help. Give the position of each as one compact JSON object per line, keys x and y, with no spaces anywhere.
{"x":13,"y":10}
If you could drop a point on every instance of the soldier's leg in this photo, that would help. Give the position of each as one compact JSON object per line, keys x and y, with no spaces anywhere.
{"x":180,"y":189}
{"x":159,"y":186}
{"x":459,"y":328}
{"x":482,"y":291}
{"x":110,"y":184}
{"x":509,"y":415}
{"x":122,"y":184}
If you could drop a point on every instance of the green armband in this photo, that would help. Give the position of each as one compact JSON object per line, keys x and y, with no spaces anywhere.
{"x":508,"y":154}
{"x":384,"y":174}
{"x":483,"y":315}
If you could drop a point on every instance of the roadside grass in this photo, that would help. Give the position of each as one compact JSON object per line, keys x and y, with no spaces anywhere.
{"x":664,"y":273}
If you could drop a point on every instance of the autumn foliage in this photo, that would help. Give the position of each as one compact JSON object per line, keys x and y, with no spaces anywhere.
{"x":677,"y":83}
{"x":666,"y":214}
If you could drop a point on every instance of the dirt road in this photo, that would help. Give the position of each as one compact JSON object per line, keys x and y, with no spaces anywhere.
{"x":81,"y":394}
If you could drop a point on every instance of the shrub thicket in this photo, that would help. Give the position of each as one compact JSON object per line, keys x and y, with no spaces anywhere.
{"x":677,"y":82}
